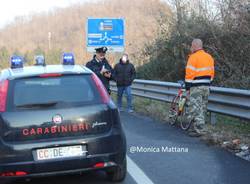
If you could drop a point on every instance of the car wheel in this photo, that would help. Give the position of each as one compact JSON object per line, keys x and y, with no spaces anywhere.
{"x":118,"y":173}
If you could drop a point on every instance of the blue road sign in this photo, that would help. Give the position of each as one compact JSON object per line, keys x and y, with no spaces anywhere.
{"x":107,"y":32}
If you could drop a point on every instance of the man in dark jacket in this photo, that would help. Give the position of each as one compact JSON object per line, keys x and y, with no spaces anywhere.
{"x":100,"y":66}
{"x":124,"y":73}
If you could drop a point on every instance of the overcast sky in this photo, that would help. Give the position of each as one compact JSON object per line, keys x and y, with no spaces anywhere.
{"x":9,"y":9}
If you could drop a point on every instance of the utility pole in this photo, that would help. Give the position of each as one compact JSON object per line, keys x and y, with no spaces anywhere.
{"x":49,"y":39}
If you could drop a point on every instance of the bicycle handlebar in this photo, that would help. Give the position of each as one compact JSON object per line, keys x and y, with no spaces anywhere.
{"x":182,"y":83}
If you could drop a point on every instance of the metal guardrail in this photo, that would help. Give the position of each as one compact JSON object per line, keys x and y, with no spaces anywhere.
{"x":228,"y":101}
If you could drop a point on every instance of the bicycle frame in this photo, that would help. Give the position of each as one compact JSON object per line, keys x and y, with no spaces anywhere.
{"x":182,"y":100}
{"x":178,"y":107}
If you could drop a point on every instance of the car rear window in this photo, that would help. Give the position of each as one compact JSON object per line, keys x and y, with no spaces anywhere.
{"x":67,"y":90}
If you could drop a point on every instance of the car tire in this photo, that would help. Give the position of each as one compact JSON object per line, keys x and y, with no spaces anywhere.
{"x":118,"y":173}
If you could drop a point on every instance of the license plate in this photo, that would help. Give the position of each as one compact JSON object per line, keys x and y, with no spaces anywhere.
{"x":61,"y":152}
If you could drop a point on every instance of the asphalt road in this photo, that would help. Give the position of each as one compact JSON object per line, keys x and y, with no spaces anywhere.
{"x":154,"y":157}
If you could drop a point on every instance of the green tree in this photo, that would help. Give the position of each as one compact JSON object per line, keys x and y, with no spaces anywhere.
{"x":4,"y":58}
{"x":54,"y":56}
{"x":226,"y":38}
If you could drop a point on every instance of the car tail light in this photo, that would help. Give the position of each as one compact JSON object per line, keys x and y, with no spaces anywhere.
{"x":102,"y":90}
{"x":99,"y":165}
{"x":50,"y":75}
{"x":16,"y":173}
{"x":20,"y":173}
{"x":104,"y":164}
{"x":3,"y":95}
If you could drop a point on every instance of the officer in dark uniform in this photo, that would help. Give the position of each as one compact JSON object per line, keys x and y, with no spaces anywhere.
{"x":100,"y":66}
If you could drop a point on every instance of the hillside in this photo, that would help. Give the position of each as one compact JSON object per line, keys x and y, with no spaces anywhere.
{"x":29,"y":35}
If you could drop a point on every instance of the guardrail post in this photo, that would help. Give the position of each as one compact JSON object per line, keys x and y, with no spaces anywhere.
{"x":212,"y":118}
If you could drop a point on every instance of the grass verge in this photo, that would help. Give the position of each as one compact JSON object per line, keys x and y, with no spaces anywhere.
{"x":226,"y":129}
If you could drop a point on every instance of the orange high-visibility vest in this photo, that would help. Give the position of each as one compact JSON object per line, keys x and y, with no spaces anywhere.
{"x":199,"y":69}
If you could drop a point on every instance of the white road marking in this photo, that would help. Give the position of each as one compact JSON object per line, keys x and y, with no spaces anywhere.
{"x":137,"y":174}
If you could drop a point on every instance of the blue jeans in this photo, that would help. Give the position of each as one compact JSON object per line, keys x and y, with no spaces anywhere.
{"x":127,"y":90}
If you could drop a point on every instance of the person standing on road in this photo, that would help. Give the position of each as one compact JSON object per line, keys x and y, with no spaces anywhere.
{"x":101,"y":67}
{"x":199,"y":75}
{"x":124,"y":73}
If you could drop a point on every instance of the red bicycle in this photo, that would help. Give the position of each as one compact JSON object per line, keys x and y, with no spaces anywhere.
{"x":178,"y":108}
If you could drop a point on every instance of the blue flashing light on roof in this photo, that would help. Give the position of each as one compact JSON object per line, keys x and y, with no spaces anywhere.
{"x":68,"y":59}
{"x":16,"y":62}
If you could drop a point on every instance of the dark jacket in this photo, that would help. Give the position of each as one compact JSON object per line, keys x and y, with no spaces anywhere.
{"x":124,"y":74}
{"x":96,"y":67}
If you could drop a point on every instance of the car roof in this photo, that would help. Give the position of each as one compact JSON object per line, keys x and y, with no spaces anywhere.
{"x":29,"y":71}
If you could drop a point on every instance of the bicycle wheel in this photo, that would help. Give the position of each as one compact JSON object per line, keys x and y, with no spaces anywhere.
{"x":185,"y":122}
{"x":173,"y":112}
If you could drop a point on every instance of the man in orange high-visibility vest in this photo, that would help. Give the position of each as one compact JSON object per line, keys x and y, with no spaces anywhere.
{"x":199,"y":75}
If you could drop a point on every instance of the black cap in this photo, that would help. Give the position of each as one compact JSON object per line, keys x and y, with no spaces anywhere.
{"x":101,"y":50}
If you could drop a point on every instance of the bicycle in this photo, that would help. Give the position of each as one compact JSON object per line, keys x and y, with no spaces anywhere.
{"x":178,"y":108}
